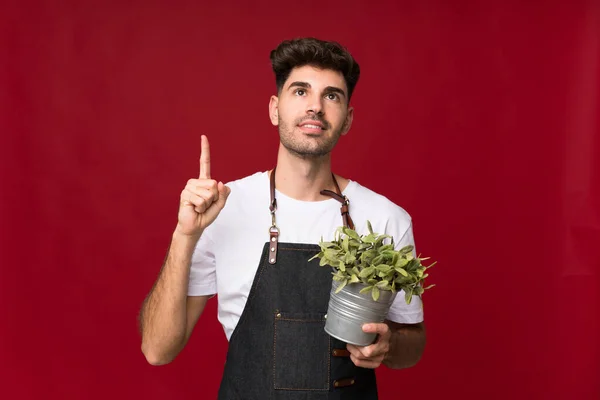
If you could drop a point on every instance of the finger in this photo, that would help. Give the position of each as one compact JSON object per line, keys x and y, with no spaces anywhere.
{"x":380,"y":329}
{"x":378,"y":349}
{"x":199,"y":203}
{"x":202,"y":183}
{"x":372,"y":364}
{"x":205,"y":159}
{"x":358,"y":352}
{"x":209,"y":193}
{"x":199,"y":186}
{"x":224,"y":192}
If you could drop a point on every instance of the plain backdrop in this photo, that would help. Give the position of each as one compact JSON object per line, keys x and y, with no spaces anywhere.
{"x":479,"y":118}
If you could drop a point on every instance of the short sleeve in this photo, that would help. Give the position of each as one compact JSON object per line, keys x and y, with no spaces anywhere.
{"x":203,"y":277}
{"x":400,"y":311}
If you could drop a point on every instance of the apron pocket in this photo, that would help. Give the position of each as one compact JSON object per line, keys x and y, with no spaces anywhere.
{"x":301,"y":352}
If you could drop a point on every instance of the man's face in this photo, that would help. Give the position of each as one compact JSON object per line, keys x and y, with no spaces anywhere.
{"x":311,"y":111}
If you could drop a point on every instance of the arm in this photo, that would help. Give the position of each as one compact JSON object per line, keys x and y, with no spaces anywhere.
{"x":397,"y":346}
{"x":168,"y":315}
{"x":407,"y":343}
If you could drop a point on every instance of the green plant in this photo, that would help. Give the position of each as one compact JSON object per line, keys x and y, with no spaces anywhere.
{"x":370,"y":260}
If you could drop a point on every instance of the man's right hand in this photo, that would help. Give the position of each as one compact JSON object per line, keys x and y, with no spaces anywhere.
{"x":202,"y":199}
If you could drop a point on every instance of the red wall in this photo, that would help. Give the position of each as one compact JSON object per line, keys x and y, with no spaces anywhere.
{"x":479,"y":118}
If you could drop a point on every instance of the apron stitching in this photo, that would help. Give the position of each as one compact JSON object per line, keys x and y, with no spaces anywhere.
{"x":329,"y":365}
{"x":300,"y":320}
{"x":274,"y":349}
{"x":294,"y":249}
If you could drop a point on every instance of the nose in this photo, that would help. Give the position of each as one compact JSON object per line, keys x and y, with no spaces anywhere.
{"x":315,"y":105}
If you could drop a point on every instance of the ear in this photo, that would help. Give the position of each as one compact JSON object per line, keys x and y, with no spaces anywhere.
{"x":348,"y":121}
{"x":273,"y":110}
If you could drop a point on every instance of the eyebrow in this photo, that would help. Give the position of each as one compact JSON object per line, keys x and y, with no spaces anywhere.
{"x":328,"y":89}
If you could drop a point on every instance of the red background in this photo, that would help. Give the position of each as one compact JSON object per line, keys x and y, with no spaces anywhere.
{"x":479,"y":118}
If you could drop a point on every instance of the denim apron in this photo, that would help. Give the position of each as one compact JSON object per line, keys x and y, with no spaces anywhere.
{"x":279,"y":349}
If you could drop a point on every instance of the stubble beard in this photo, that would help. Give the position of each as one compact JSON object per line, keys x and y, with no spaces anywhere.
{"x":304,"y":147}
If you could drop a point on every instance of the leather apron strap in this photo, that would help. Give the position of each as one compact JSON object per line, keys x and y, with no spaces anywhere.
{"x":274,"y":230}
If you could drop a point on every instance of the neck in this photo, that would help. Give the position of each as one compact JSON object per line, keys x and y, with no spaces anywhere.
{"x":304,"y":178}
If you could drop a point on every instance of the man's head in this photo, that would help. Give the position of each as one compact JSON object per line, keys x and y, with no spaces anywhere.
{"x":315,"y":80}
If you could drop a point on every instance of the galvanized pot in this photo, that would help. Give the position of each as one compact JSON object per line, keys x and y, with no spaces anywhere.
{"x":349,"y":310}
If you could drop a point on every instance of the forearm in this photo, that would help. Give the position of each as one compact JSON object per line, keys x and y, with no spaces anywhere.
{"x":406,"y":345}
{"x":163,"y":318}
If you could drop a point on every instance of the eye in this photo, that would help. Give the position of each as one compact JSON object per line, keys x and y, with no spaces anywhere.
{"x":300,"y":92}
{"x":332,"y":96}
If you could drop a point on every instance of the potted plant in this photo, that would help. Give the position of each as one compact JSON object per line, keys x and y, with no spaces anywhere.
{"x":367,"y":275}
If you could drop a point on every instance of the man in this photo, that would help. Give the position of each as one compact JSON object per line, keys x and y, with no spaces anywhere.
{"x":250,"y":241}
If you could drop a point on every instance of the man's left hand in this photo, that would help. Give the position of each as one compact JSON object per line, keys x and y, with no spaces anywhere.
{"x":372,"y":356}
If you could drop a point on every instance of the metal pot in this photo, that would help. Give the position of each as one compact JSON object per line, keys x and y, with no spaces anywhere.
{"x":349,"y":310}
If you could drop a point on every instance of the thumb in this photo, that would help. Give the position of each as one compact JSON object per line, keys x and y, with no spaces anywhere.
{"x":381,"y":328}
{"x":224,"y":192}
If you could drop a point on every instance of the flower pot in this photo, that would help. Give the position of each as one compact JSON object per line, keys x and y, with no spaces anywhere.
{"x":349,"y":310}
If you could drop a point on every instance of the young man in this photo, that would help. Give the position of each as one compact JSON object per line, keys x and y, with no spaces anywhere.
{"x":249,"y":242}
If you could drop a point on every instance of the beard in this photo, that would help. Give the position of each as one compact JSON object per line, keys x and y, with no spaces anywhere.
{"x":305,"y":147}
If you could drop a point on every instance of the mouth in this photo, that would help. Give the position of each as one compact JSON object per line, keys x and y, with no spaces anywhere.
{"x":312,"y":126}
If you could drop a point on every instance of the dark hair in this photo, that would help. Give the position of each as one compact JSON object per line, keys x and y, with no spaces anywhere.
{"x":318,"y":53}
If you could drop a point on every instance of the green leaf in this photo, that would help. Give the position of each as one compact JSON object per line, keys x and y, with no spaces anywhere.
{"x":384,"y":285}
{"x":368,"y":255}
{"x":366,"y":289}
{"x":351,"y":233}
{"x":412,"y":265}
{"x":331,"y":253}
{"x":367,"y":272}
{"x":341,"y":286}
{"x":353,"y":244}
{"x":369,"y":227}
{"x":401,"y":271}
{"x":342,"y":266}
{"x":375,"y":293}
{"x":401,"y":262}
{"x":318,"y":255}
{"x":354,"y":279}
{"x":388,"y":253}
{"x":383,"y":268}
{"x":370,"y":238}
{"x":349,"y":258}
{"x":408,"y":296}
{"x":377,"y":260}
{"x":345,"y":244}
{"x":364,"y":246}
{"x":407,"y":249}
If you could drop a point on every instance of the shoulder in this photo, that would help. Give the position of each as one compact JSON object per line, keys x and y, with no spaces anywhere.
{"x":384,"y":214}
{"x":365,"y":200}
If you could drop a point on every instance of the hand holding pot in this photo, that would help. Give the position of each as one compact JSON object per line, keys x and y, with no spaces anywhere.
{"x":372,"y":356}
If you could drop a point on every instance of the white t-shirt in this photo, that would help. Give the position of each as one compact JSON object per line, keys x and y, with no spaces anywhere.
{"x":227,"y":255}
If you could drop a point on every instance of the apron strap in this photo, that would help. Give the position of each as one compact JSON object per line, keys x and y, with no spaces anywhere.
{"x":345,"y":211}
{"x":348,"y":223}
{"x":274,"y":230}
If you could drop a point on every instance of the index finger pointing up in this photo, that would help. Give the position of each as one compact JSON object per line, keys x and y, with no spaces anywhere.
{"x":205,"y":159}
